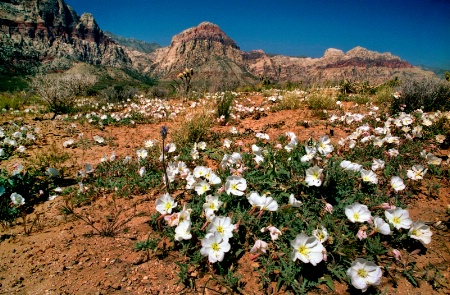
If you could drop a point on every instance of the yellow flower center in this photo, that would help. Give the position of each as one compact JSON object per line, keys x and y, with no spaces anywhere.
{"x":362,"y":273}
{"x":356,"y":216}
{"x":320,"y":236}
{"x":234,"y":186}
{"x":215,"y":246}
{"x":396,"y":220}
{"x":167,"y":206}
{"x":303,"y":250}
{"x":415,"y":233}
{"x":219,"y":229}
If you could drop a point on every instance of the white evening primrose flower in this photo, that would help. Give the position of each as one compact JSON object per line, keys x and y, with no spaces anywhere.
{"x":149,"y":143}
{"x":21,"y":149}
{"x":99,"y":139}
{"x":369,"y":176}
{"x":262,"y":136}
{"x":393,"y":152}
{"x":2,"y":152}
{"x":381,"y":226}
{"x":213,"y":178}
{"x":227,"y":143}
{"x":321,"y":234}
{"x":17,"y":199}
{"x":294,"y":202}
{"x":214,"y":246}
{"x":420,"y":231}
{"x":350,"y":166}
{"x":313,"y":176}
{"x":222,"y":225}
{"x":324,"y":146}
{"x":433,"y":160}
{"x":142,"y":153}
{"x":202,"y":187}
{"x":307,"y":249}
{"x":165,"y":204}
{"x":363,"y":274}
{"x":212,"y":204}
{"x":233,"y":130}
{"x":310,"y":153}
{"x":171,"y":147}
{"x":68,"y":143}
{"x":273,"y":231}
{"x":417,"y":172}
{"x":141,"y":171}
{"x":183,"y":230}
{"x":235,"y":185}
{"x":268,"y":204}
{"x":260,"y":247}
{"x":254,"y":199}
{"x":201,"y":171}
{"x":201,"y":145}
{"x":399,"y":218}
{"x":397,"y":183}
{"x":194,"y":154}
{"x":377,"y":164}
{"x":440,"y":138}
{"x":357,"y":213}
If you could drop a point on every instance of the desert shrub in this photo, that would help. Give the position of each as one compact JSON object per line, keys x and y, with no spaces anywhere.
{"x":10,"y":100}
{"x":428,"y":94}
{"x":320,"y":102}
{"x":159,"y":92}
{"x":384,"y":94}
{"x":118,"y":93}
{"x":290,"y":101}
{"x":59,"y":91}
{"x":224,"y":103}
{"x":195,"y":129}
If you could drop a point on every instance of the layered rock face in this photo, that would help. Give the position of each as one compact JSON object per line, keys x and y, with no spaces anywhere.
{"x":50,"y":32}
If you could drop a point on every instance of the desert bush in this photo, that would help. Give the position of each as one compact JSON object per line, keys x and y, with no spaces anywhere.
{"x":195,"y":129}
{"x":119,"y":93}
{"x":320,"y":102}
{"x":425,"y":94}
{"x":290,"y":101}
{"x":384,"y":94}
{"x":224,"y":104}
{"x":59,"y":91}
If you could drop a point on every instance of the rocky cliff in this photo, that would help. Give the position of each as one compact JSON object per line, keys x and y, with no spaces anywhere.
{"x":50,"y":33}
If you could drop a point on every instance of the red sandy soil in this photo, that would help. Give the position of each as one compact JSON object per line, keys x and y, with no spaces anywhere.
{"x":61,"y":256}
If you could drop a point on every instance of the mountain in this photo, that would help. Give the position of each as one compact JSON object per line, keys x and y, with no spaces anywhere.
{"x":132,"y":43}
{"x":49,"y":33}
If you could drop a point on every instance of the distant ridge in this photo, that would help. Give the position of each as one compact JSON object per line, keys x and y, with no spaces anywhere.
{"x":141,"y":46}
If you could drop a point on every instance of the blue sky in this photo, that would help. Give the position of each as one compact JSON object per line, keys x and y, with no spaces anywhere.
{"x":416,"y":31}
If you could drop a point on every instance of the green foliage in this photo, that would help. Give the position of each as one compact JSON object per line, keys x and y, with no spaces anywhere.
{"x":118,"y":93}
{"x":196,"y":129}
{"x":318,"y":101}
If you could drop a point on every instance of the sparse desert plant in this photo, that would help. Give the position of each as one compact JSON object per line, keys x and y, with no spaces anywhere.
{"x":425,"y":94}
{"x":318,"y":101}
{"x":118,"y":93}
{"x":290,"y":101}
{"x":58,"y":92}
{"x":195,"y":129}
{"x":224,"y":105}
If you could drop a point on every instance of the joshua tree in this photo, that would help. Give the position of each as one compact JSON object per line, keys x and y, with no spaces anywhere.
{"x":186,"y":77}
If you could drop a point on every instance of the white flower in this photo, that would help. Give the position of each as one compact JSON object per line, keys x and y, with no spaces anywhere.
{"x":201,"y":145}
{"x":201,"y":171}
{"x":421,"y":232}
{"x":21,"y":149}
{"x":364,"y":273}
{"x":357,"y":213}
{"x":381,"y":226}
{"x":99,"y":139}
{"x":68,"y":143}
{"x":393,"y":152}
{"x":222,"y":225}
{"x":307,"y":249}
{"x":440,"y":138}
{"x":417,"y":172}
{"x":349,"y":166}
{"x":235,"y":185}
{"x":399,"y":218}
{"x":397,"y":183}
{"x":202,"y":187}
{"x":377,"y":164}
{"x":141,"y":171}
{"x":262,"y":136}
{"x":17,"y":199}
{"x":171,"y":147}
{"x":215,"y":247}
{"x":369,"y":176}
{"x":149,"y":143}
{"x":183,"y":230}
{"x":310,"y":153}
{"x":213,"y":178}
{"x":313,"y":176}
{"x":260,"y":247}
{"x":274,"y":232}
{"x":165,"y":204}
{"x":212,"y":204}
{"x":294,"y":202}
{"x":433,"y":160}
{"x":227,"y":143}
{"x":268,"y":204}
{"x":324,"y":146}
{"x":321,"y":234}
{"x":142,"y":153}
{"x":233,"y":130}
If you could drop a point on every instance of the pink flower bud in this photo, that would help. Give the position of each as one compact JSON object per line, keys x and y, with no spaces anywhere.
{"x":397,"y":254}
